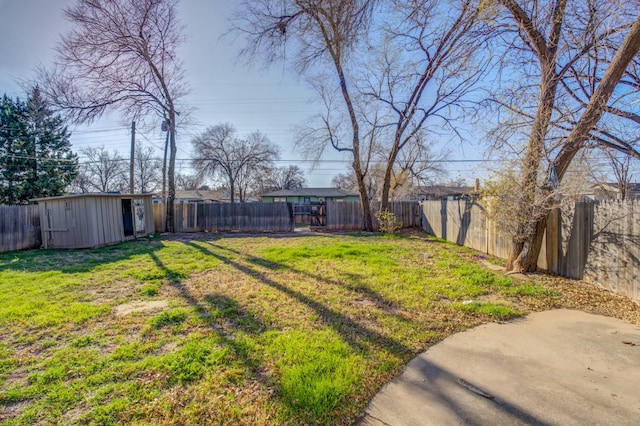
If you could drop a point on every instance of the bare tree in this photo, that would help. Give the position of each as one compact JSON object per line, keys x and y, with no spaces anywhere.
{"x":101,"y":170}
{"x":373,"y":182}
{"x":429,"y":62}
{"x":600,"y":165}
{"x":380,"y":85}
{"x":414,"y":167}
{"x":618,"y":130}
{"x":621,"y":168}
{"x":345,"y":181}
{"x":219,"y":152}
{"x":121,"y":55}
{"x":147,"y":169}
{"x":279,"y":178}
{"x":323,"y":33}
{"x":551,"y":40}
{"x":188,"y":182}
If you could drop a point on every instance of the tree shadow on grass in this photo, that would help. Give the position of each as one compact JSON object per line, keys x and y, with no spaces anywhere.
{"x":223,"y":315}
{"x":72,"y":261}
{"x":356,"y":335}
{"x":354,"y":282}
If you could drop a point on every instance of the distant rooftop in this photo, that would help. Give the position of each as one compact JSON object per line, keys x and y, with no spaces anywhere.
{"x":311,"y":192}
{"x":201,"y":195}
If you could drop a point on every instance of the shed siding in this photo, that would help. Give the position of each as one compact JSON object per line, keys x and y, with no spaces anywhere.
{"x":91,"y":220}
{"x":88,"y":205}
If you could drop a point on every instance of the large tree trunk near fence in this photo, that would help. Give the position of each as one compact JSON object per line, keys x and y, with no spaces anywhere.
{"x":526,"y":247}
{"x":524,"y":253}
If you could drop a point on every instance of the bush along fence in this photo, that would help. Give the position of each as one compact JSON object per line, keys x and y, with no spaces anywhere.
{"x":19,"y":228}
{"x":598,"y":242}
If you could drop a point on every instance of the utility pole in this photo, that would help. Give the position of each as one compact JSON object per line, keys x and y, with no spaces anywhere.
{"x":133,"y":152}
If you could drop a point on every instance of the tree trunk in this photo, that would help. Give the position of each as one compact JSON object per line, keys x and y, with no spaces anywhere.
{"x":164,"y":167}
{"x":525,"y":251}
{"x":364,"y":200}
{"x":386,"y":185}
{"x":526,"y":247}
{"x":523,"y":254}
{"x":171,"y":173}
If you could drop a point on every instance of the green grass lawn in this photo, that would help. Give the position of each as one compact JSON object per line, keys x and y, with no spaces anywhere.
{"x":245,"y":330}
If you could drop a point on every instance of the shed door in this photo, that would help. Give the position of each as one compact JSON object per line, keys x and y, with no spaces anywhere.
{"x":127,"y":217}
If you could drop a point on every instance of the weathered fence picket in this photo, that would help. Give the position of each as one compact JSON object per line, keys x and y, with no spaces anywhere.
{"x":227,"y":217}
{"x":19,"y":228}
{"x":347,"y":216}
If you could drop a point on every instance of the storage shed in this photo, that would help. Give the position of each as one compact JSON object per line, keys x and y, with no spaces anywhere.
{"x":94,"y":219}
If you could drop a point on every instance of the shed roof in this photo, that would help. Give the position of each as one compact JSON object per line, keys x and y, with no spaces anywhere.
{"x":311,"y":192}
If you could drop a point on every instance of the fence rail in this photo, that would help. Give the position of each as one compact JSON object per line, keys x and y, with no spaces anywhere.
{"x":598,"y":242}
{"x":227,"y":217}
{"x":272,"y":217}
{"x":347,"y":216}
{"x":19,"y":228}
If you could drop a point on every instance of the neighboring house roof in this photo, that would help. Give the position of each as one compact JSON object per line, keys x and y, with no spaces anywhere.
{"x":443,"y":191}
{"x":201,"y":195}
{"x":613,"y":186}
{"x":610,"y":190}
{"x":311,"y":192}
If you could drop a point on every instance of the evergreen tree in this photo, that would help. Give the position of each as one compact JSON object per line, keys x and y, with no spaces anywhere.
{"x":13,"y":127}
{"x":35,"y":152}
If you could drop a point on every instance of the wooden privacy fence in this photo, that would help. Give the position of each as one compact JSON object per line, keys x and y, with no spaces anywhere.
{"x":347,"y":216}
{"x":227,"y":217}
{"x":614,"y":256}
{"x":463,"y":222}
{"x":19,"y":228}
{"x":272,"y":217}
{"x":598,"y":242}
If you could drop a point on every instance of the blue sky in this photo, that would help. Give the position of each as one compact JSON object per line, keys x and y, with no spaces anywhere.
{"x":273,"y":101}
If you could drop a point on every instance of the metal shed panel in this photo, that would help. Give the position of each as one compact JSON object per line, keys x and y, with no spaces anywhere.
{"x":90,"y":220}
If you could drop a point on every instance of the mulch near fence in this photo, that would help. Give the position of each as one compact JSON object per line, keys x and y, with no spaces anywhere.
{"x":583,"y":296}
{"x":570,"y":294}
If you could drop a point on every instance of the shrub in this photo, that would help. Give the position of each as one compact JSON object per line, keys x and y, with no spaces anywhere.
{"x":388,"y":222}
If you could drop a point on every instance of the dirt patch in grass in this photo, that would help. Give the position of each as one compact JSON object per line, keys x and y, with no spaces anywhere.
{"x":11,"y":410}
{"x":140,"y":306}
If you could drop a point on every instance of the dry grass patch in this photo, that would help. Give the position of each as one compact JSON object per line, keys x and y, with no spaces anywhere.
{"x":140,"y":306}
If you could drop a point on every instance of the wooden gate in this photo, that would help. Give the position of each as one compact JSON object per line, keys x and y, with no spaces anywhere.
{"x":318,"y":215}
